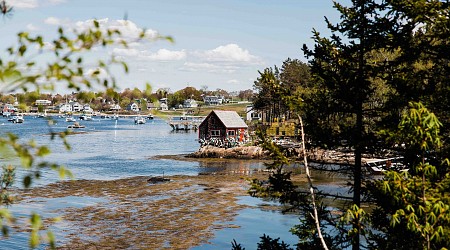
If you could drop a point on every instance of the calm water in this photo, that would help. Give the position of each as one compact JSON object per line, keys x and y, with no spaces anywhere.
{"x":116,"y":149}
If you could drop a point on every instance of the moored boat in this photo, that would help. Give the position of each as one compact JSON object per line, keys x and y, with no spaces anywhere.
{"x":139,"y":120}
{"x":70,"y":119}
{"x":378,"y":166}
{"x":76,"y":125}
{"x":17,"y":118}
{"x":86,"y":117}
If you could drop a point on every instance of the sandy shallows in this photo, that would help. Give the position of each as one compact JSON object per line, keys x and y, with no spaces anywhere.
{"x":135,"y":214}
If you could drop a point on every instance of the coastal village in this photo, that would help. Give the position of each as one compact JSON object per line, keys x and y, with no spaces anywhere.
{"x":226,"y":124}
{"x":234,"y":125}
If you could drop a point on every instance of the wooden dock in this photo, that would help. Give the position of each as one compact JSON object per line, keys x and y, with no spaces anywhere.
{"x":185,"y":122}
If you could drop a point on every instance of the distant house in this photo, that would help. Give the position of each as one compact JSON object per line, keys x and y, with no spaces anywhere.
{"x":115,"y":107}
{"x":76,"y":106}
{"x":211,"y":100}
{"x":87,"y":108}
{"x":133,"y":107}
{"x":190,"y":103}
{"x":163,"y":100}
{"x":43,"y":102}
{"x":222,"y":125}
{"x":252,"y":114}
{"x":163,"y":106}
{"x":9,"y":108}
{"x":64,"y":108}
{"x":151,"y":106}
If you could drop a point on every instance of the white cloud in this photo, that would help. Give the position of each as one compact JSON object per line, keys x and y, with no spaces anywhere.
{"x":57,"y":21}
{"x":32,"y":27}
{"x":128,"y":29}
{"x":228,"y":53}
{"x":233,"y":81}
{"x":32,"y":4}
{"x":168,"y":55}
{"x":23,"y":4}
{"x":125,"y":52}
{"x":160,"y":55}
{"x":207,"y":67}
{"x":57,"y":1}
{"x":190,"y":66}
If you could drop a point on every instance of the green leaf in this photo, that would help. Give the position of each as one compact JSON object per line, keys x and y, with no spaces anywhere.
{"x":43,"y":151}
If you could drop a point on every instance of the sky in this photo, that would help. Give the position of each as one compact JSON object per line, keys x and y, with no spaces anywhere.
{"x":218,"y":44}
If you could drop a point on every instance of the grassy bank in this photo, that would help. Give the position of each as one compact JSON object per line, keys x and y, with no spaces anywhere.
{"x":204,"y":110}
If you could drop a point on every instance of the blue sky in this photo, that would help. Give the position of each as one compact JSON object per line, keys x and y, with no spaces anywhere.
{"x":219,"y":44}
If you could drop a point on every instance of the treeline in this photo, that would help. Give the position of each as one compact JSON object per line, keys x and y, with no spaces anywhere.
{"x":99,"y":100}
{"x":380,"y":80}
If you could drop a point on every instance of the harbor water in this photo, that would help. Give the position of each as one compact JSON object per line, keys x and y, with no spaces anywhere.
{"x":113,"y":149}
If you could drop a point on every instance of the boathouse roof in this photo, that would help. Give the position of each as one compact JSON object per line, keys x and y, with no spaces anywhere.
{"x":230,"y":119}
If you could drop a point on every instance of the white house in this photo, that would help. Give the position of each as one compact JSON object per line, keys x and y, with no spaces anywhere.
{"x":133,"y":107}
{"x":43,"y":102}
{"x":252,"y":114}
{"x":87,"y":108}
{"x":115,"y":107}
{"x":163,"y":100}
{"x":64,"y":108}
{"x":76,"y":106}
{"x":164,"y":106}
{"x":9,"y":108}
{"x":211,"y":100}
{"x":190,"y":103}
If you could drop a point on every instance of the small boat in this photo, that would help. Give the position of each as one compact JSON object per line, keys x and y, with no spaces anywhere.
{"x":42,"y":115}
{"x":86,"y":117}
{"x":150,"y":117}
{"x":378,"y":166}
{"x":76,"y":125}
{"x":70,"y":119}
{"x":139,"y":120}
{"x":17,"y":118}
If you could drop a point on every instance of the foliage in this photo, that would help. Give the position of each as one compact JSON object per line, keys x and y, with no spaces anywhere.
{"x":272,"y":244}
{"x":274,"y":88}
{"x":380,"y":56}
{"x":236,"y":246}
{"x":246,"y":94}
{"x":21,"y":69}
{"x":415,"y":202}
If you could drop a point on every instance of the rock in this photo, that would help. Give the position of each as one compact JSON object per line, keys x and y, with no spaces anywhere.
{"x":242,"y":152}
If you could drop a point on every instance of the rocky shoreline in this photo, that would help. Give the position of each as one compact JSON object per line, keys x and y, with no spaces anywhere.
{"x":257,"y":152}
{"x":241,"y":152}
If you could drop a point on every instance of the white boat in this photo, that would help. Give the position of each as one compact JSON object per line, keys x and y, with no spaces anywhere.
{"x":378,"y":166}
{"x":42,"y":115}
{"x":139,"y":120}
{"x":17,"y":118}
{"x":76,"y":125}
{"x":86,"y":117}
{"x":70,"y":119}
{"x":150,"y":117}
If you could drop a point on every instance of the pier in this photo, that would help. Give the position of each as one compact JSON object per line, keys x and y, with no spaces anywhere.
{"x":185,"y":122}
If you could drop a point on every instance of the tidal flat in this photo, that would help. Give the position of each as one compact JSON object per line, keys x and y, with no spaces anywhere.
{"x":132,"y":213}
